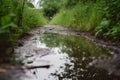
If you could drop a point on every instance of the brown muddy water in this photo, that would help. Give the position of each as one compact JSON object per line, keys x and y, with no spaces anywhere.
{"x":70,"y":57}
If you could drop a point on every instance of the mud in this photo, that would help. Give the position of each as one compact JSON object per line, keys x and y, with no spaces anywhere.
{"x":29,"y":49}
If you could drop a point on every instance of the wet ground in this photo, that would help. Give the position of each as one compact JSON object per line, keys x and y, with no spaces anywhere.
{"x":53,"y":52}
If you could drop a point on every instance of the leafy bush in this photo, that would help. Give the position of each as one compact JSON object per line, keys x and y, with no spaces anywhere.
{"x":113,"y":33}
{"x":11,"y":14}
{"x":101,"y":16}
{"x":51,"y":7}
{"x":111,"y":28}
{"x":12,"y":25}
{"x":112,"y":11}
{"x":102,"y":28}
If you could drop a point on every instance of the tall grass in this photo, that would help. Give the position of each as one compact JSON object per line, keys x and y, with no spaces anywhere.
{"x":83,"y":17}
{"x":33,"y":18}
{"x":64,"y":17}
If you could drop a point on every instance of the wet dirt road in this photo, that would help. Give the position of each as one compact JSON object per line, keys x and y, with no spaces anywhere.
{"x":53,"y":52}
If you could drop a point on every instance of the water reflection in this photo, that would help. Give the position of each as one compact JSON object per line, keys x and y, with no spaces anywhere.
{"x":69,"y":56}
{"x":81,"y":52}
{"x":74,"y":45}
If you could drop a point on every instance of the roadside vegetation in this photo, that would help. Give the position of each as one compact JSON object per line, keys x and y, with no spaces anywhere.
{"x":16,"y":18}
{"x":101,"y":17}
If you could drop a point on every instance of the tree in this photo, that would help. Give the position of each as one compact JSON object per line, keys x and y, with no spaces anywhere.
{"x":51,"y":7}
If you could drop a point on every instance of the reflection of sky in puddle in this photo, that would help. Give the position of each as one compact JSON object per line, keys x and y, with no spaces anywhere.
{"x":55,"y":58}
{"x":68,"y":56}
{"x":55,"y":61}
{"x":38,"y":44}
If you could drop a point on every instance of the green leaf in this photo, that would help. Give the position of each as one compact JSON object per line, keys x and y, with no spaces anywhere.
{"x":3,"y":31}
{"x":30,"y":62}
{"x":6,"y":28}
{"x":5,"y":20}
{"x":30,"y":5}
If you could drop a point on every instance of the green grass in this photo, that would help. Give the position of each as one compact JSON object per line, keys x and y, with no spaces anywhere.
{"x":63,"y":18}
{"x":83,"y":17}
{"x":33,"y":18}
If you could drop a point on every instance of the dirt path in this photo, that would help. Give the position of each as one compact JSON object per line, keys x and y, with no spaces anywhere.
{"x":62,"y":30}
{"x":115,"y":48}
{"x":28,"y":45}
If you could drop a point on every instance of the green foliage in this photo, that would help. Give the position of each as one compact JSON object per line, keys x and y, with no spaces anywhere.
{"x":30,"y":5}
{"x":9,"y":13}
{"x":102,"y":28}
{"x":33,"y":18}
{"x":112,"y":11}
{"x":71,"y":3}
{"x":101,"y":16}
{"x":51,"y":7}
{"x":63,"y":18}
{"x":113,"y":33}
{"x":80,"y":17}
{"x":111,"y":28}
{"x":12,"y":25}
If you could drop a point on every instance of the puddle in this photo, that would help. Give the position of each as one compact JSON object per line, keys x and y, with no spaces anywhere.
{"x":70,"y":58}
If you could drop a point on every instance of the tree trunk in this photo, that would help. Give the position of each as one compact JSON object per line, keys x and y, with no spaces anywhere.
{"x":20,"y":18}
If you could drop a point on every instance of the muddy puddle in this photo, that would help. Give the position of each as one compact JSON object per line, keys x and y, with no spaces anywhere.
{"x":69,"y":57}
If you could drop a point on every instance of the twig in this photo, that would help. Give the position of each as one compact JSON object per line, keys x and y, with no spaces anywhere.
{"x":34,"y":67}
